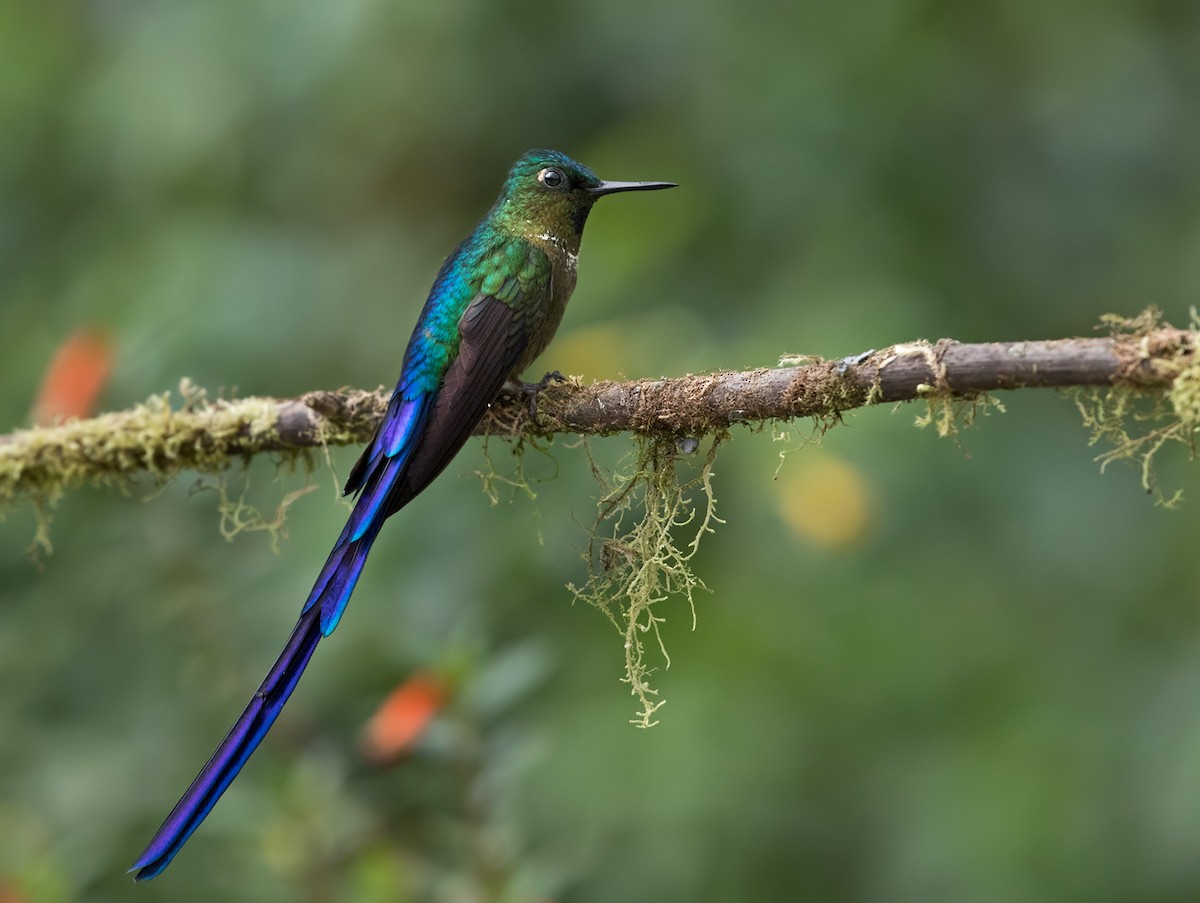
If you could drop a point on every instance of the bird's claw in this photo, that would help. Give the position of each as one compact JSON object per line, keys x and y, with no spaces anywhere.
{"x":532,"y":390}
{"x":854,"y":360}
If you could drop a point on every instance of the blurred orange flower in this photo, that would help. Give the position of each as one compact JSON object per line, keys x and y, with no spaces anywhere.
{"x":403,"y":717}
{"x":76,"y":375}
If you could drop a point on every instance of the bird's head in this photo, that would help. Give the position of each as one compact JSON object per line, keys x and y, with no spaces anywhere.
{"x":549,"y":194}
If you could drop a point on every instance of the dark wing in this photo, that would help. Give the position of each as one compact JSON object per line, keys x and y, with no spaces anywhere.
{"x":494,"y":336}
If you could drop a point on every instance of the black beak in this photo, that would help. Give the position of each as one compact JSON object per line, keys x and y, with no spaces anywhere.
{"x":613,"y":187}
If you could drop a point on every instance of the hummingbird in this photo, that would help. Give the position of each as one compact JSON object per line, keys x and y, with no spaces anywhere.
{"x":494,"y":306}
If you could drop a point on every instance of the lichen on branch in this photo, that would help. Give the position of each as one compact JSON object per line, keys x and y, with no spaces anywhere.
{"x":152,"y":438}
{"x":1136,"y":426}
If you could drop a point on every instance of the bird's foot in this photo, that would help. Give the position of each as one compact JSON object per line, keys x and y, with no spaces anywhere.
{"x":853,"y":361}
{"x":532,"y":390}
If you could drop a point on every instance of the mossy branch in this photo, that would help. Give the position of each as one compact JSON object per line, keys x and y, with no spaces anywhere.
{"x":208,"y":434}
{"x":1146,"y":393}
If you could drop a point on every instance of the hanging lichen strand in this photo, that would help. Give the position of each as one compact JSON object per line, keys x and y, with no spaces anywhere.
{"x":652,"y":527}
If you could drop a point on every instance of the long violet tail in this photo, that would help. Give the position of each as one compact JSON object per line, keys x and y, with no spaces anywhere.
{"x":318,"y":619}
{"x":379,"y":479}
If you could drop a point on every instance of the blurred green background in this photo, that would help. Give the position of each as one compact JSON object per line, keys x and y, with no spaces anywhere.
{"x":985,"y":687}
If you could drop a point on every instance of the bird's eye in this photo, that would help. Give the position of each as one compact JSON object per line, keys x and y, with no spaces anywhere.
{"x":552,"y":178}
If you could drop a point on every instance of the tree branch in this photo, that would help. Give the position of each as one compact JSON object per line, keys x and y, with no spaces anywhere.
{"x":206,"y":435}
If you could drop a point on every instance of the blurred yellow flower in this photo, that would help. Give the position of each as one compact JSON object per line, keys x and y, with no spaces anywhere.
{"x":825,"y":499}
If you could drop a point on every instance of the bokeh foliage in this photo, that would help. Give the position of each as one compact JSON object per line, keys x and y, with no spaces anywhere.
{"x":984,"y":686}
